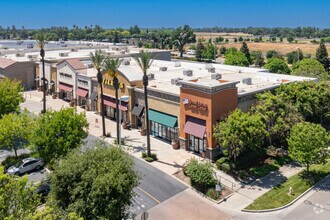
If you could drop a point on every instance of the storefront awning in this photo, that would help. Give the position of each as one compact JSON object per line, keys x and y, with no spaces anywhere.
{"x":65,"y":87}
{"x":162,"y":118}
{"x":195,"y":127}
{"x":112,"y":103}
{"x":93,"y":96}
{"x":82,"y":92}
{"x":137,"y":110}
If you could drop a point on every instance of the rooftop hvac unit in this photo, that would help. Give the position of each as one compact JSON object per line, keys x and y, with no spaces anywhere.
{"x":247,"y":81}
{"x":90,"y":65}
{"x":175,"y":81}
{"x":30,"y":56}
{"x":63,"y":54}
{"x":74,"y":50}
{"x":20,"y":54}
{"x":211,"y":70}
{"x":208,"y":66}
{"x":126,"y":62}
{"x":163,"y":68}
{"x":216,"y":76}
{"x":122,"y":52}
{"x":151,"y":76}
{"x":177,"y":64}
{"x":187,"y":72}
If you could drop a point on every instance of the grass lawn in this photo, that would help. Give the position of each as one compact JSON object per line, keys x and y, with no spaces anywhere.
{"x":269,"y":165}
{"x":279,"y":195}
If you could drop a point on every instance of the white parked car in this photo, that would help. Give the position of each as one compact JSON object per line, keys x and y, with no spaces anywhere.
{"x":26,"y":165}
{"x":191,"y":52}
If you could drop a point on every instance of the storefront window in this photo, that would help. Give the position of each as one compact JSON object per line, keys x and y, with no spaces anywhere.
{"x":164,"y":132}
{"x":196,"y":144}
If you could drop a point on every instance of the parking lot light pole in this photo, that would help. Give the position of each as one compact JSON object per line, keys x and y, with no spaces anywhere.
{"x":125,"y":99}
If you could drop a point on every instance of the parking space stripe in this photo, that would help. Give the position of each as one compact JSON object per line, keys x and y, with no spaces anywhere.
{"x":149,"y":195}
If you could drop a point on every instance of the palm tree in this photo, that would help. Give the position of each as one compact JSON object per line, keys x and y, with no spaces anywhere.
{"x":111,"y":69}
{"x":144,"y":60}
{"x":40,"y":38}
{"x":98,"y":60}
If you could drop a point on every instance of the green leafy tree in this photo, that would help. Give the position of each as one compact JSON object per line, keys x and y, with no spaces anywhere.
{"x":290,"y":39}
{"x":257,"y":58}
{"x":58,"y":132}
{"x":245,"y":49}
{"x":16,"y":130}
{"x":219,"y":39}
{"x":239,"y":132}
{"x":294,"y":56}
{"x":272,"y":54}
{"x":210,"y":52}
{"x":18,"y":199}
{"x":308,"y":144}
{"x":310,"y":98}
{"x":310,"y":68}
{"x":199,"y":50}
{"x":236,"y":59}
{"x":96,"y":183}
{"x":240,"y":39}
{"x":182,"y":36}
{"x":278,"y":115}
{"x":322,"y":56}
{"x":275,"y":65}
{"x":222,"y":50}
{"x":231,"y":50}
{"x":10,"y":96}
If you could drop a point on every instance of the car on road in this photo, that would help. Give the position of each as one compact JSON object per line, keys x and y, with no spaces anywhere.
{"x":191,"y":52}
{"x":26,"y":165}
{"x":44,"y":189}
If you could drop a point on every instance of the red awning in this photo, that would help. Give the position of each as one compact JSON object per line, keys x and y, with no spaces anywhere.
{"x":82,"y":92}
{"x":195,"y":127}
{"x":65,"y":87}
{"x":112,"y":103}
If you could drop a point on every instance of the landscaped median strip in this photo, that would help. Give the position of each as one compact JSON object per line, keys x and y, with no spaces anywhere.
{"x":279,"y":197}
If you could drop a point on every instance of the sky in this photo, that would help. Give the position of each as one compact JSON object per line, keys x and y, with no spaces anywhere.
{"x":165,"y":13}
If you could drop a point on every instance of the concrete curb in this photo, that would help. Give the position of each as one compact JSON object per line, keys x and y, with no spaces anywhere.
{"x":287,"y":205}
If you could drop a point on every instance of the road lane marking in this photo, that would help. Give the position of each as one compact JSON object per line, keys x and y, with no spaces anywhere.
{"x":149,"y":195}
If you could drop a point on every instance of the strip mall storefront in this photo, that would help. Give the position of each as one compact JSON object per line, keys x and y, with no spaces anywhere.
{"x":65,"y":91}
{"x":201,"y":107}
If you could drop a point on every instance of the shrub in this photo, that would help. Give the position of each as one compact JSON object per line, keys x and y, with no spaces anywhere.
{"x":213,"y":194}
{"x":108,"y":134}
{"x":154,"y":156}
{"x":201,"y":175}
{"x":12,"y":160}
{"x":149,"y":159}
{"x":225,"y":167}
{"x":144,"y":154}
{"x":221,"y":161}
{"x":122,"y":141}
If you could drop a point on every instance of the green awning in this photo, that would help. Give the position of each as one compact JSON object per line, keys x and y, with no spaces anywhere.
{"x":162,"y":118}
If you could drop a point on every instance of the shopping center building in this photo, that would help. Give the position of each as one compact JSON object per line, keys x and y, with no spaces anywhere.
{"x":187,"y":99}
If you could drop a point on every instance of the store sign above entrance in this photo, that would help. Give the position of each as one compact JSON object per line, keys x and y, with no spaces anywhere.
{"x":109,"y":82}
{"x":194,"y":104}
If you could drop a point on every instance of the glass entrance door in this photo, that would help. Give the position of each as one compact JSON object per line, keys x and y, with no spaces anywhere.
{"x":197,"y":145}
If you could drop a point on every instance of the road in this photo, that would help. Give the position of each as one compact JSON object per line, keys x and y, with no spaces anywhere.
{"x":317,"y":206}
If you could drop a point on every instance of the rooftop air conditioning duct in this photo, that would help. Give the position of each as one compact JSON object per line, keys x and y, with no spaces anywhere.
{"x":211,"y":70}
{"x":126,"y":62}
{"x":177,"y":64}
{"x":90,"y":65}
{"x":175,"y":81}
{"x":187,"y":72}
{"x":63,"y":54}
{"x":247,"y":81}
{"x":163,"y":68}
{"x":74,"y":50}
{"x":151,"y":76}
{"x":216,"y":76}
{"x":30,"y":56}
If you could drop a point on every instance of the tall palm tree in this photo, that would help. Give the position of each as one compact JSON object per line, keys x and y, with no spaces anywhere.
{"x":144,"y":60}
{"x":111,"y":69}
{"x":98,"y":61}
{"x":40,"y":38}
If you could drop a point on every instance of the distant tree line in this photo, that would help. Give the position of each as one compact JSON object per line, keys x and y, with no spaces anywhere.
{"x":306,"y":32}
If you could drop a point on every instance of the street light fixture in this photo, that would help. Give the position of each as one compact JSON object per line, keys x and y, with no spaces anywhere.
{"x":125,"y":99}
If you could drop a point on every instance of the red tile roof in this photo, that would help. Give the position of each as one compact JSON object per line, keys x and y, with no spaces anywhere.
{"x":4,"y":63}
{"x":75,"y":63}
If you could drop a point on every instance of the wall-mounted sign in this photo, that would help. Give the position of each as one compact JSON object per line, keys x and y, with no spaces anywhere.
{"x":109,"y":82}
{"x":195,"y":104}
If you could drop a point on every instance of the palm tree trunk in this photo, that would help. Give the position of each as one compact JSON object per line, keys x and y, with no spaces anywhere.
{"x":42,"y":53}
{"x":116,"y":86}
{"x":102,"y":111}
{"x":145,"y":84}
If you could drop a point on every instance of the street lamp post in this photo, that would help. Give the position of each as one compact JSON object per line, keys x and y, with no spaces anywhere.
{"x":122,"y":98}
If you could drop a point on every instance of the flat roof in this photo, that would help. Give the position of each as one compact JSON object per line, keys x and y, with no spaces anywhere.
{"x":261,"y":79}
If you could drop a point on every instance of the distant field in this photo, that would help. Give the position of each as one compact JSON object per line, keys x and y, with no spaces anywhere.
{"x":282,"y":48}
{"x":206,"y":35}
